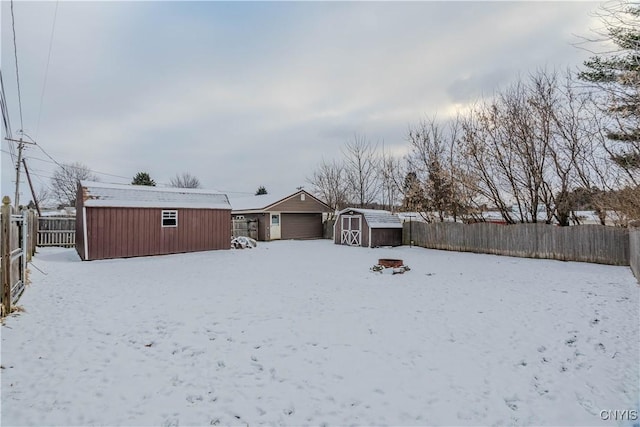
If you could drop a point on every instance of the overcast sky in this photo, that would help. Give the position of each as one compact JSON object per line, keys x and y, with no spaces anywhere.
{"x":248,"y":94}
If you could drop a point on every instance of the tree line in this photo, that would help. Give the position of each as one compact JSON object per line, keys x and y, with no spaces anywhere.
{"x":540,"y":149}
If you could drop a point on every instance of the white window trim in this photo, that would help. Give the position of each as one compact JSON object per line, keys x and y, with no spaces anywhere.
{"x":169,"y":214}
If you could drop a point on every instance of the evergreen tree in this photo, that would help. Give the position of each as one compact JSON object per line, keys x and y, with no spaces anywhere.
{"x":143,"y":178}
{"x":261,"y":190}
{"x":413,"y":193}
{"x":438,"y":189}
{"x":617,"y":75}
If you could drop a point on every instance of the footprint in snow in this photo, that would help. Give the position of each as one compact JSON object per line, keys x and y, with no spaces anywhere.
{"x":512,"y":403}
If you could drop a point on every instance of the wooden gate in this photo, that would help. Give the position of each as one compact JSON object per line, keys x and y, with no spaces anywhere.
{"x":351,"y":230}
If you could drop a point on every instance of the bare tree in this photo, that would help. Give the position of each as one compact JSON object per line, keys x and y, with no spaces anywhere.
{"x":44,"y":196}
{"x":64,"y":183}
{"x":391,"y":176}
{"x":429,"y":144}
{"x":361,"y":167}
{"x":533,"y":145}
{"x":329,"y":184}
{"x":184,"y":180}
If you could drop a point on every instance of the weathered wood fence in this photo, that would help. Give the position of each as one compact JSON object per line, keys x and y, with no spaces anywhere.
{"x":587,"y":243}
{"x":634,"y":248}
{"x":57,"y":231}
{"x":244,"y":228}
{"x":327,"y":229}
{"x":17,"y":246}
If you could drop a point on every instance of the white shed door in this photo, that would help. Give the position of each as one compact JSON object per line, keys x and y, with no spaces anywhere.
{"x":351,"y":230}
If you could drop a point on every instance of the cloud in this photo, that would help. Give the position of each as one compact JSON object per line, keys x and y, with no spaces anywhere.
{"x":248,"y":94}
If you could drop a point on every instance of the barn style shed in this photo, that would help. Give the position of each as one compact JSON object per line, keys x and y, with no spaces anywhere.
{"x":367,"y":228}
{"x":121,"y":221}
{"x":294,"y":216}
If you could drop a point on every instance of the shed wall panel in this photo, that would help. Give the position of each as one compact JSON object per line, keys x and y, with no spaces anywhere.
{"x":365,"y":233}
{"x":130,"y":232}
{"x":301,"y":226}
{"x":79,"y":225}
{"x":386,"y":237}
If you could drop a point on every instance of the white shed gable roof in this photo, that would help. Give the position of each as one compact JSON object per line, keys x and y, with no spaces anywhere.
{"x":377,"y":218}
{"x":98,"y":194}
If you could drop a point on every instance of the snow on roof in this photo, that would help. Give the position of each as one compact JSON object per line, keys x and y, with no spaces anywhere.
{"x":377,"y":218}
{"x":243,"y":203}
{"x":98,"y":194}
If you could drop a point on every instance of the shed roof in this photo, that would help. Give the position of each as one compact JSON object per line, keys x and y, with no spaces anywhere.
{"x":377,"y":218}
{"x":98,"y":194}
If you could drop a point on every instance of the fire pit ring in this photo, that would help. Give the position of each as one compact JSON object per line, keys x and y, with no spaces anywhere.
{"x":390,"y":263}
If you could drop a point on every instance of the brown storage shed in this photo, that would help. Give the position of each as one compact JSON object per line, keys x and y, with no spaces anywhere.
{"x":121,"y":221}
{"x":367,"y":228}
{"x":294,"y":216}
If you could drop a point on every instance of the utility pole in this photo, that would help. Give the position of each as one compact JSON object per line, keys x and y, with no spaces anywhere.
{"x":16,"y":201}
{"x":33,"y":193}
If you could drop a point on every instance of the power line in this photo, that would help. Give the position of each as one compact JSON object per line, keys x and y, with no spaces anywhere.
{"x":5,"y":111}
{"x":5,"y":118}
{"x":71,"y":166}
{"x":15,"y":52}
{"x":46,"y":70}
{"x":47,"y":154}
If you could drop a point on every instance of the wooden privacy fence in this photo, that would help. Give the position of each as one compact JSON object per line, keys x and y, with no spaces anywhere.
{"x":586,"y":243}
{"x":17,"y":246}
{"x":57,"y":231}
{"x":327,"y":228}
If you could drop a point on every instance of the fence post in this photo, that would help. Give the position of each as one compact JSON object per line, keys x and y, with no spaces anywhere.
{"x":26,"y":233}
{"x":634,"y":248}
{"x":6,"y":255}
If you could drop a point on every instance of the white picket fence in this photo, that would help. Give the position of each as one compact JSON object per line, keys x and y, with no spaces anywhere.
{"x":57,"y":231}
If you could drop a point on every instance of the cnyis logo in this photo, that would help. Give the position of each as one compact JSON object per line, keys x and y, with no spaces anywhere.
{"x":619,"y":415}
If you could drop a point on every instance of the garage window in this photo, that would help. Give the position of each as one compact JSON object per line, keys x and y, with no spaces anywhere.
{"x":169,"y":218}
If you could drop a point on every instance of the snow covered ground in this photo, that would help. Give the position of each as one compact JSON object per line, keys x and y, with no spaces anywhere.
{"x":302,"y":333}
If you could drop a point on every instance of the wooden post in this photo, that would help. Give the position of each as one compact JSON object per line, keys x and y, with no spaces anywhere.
{"x":33,"y":193}
{"x":26,"y":232}
{"x":35,"y":224}
{"x":6,"y":255}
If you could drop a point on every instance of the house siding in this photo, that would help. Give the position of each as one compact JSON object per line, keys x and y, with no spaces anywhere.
{"x":301,"y":226}
{"x":131,"y":232}
{"x":295,"y":204}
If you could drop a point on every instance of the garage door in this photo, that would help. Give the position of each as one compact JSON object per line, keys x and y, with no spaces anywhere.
{"x":301,"y":226}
